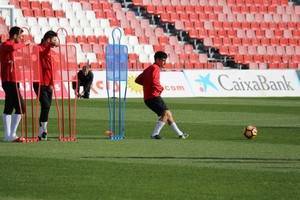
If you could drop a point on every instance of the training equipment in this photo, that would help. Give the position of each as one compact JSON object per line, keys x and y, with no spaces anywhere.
{"x":64,"y":75}
{"x":250,"y":132}
{"x":27,"y":72}
{"x":116,"y":84}
{"x":108,"y":133}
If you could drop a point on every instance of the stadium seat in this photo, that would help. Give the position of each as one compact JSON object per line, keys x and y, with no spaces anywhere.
{"x":270,"y":26}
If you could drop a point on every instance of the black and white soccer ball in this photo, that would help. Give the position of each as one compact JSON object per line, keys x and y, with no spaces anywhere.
{"x":250,"y":132}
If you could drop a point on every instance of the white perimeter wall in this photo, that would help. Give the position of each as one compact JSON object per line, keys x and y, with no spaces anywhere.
{"x":208,"y":83}
{"x":214,"y":83}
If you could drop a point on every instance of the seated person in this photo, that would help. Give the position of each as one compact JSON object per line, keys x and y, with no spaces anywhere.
{"x":85,"y":79}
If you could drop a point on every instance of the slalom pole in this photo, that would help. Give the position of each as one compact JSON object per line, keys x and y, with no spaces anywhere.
{"x":65,"y":55}
{"x":33,"y":114}
{"x":118,"y":46}
{"x":116,"y":72}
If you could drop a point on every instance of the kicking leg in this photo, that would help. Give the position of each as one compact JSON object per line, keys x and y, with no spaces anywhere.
{"x":174,"y":126}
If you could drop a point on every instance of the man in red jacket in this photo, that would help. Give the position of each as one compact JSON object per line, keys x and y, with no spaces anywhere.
{"x":45,"y":87}
{"x":13,"y":98}
{"x":150,"y":80}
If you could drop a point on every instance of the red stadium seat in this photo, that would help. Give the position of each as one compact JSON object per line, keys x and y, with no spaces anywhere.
{"x":233,"y":50}
{"x":81,"y":39}
{"x":246,"y":41}
{"x":293,"y":65}
{"x":231,"y":33}
{"x":57,"y":13}
{"x":255,"y":26}
{"x":188,"y":25}
{"x":293,"y":41}
{"x":38,"y":13}
{"x":284,"y":41}
{"x":265,"y":41}
{"x":296,"y":33}
{"x":236,"y":41}
{"x":260,"y":33}
{"x":273,"y":65}
{"x":190,"y":9}
{"x":286,"y":58}
{"x":296,"y":58}
{"x":274,"y":41}
{"x":212,"y":33}
{"x":255,"y":41}
{"x":24,"y":4}
{"x":71,"y":39}
{"x":217,"y":42}
{"x":248,"y":58}
{"x":166,"y":17}
{"x":49,"y":13}
{"x":92,"y":39}
{"x":193,"y":33}
{"x":276,"y":59}
{"x":202,"y":33}
{"x":227,"y":41}
{"x":224,"y":50}
{"x":46,"y":5}
{"x":27,"y":12}
{"x":258,"y":58}
{"x":35,"y":5}
{"x":251,"y":31}
{"x":278,"y":33}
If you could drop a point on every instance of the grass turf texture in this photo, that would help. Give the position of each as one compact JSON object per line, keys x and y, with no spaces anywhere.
{"x":216,"y":162}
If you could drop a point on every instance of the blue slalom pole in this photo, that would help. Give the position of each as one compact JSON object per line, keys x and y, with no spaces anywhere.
{"x":117,"y":73}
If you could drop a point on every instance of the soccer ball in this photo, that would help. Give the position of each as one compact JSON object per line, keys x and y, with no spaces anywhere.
{"x":108,"y":133}
{"x":250,"y":132}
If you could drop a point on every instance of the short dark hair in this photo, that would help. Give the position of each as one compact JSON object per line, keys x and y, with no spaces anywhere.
{"x":160,"y":55}
{"x":87,"y":66}
{"x":49,"y":34}
{"x":15,"y":30}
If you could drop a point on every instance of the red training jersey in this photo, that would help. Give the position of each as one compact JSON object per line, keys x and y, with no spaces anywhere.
{"x":150,"y":80}
{"x":46,"y":67}
{"x":7,"y":49}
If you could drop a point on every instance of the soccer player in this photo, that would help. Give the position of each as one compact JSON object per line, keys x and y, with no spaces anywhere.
{"x":45,"y":87}
{"x":13,"y":98}
{"x":150,"y":80}
{"x":85,"y":78}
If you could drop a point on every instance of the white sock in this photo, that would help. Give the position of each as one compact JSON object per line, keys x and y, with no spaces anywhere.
{"x":159,"y":125}
{"x":44,"y":126}
{"x":15,"y":120}
{"x":176,"y":129}
{"x":41,"y":131}
{"x":6,"y":125}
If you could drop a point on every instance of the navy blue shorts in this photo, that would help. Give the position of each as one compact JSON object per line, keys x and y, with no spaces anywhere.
{"x":157,"y":105}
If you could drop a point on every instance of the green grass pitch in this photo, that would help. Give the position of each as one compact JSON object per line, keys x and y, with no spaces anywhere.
{"x":215,"y":162}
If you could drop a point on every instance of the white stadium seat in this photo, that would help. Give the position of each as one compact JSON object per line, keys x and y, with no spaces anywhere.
{"x":91,"y":57}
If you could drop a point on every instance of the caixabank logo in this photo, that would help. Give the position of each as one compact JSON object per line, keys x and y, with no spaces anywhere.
{"x":246,"y":83}
{"x":205,"y":83}
{"x":256,"y":82}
